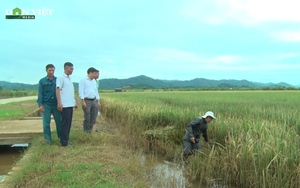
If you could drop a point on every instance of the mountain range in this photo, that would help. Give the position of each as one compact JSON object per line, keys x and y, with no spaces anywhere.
{"x":145,"y":82}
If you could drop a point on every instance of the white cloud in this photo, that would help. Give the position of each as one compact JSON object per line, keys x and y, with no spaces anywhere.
{"x":246,"y":12}
{"x":173,"y":55}
{"x":287,"y":36}
{"x":225,"y":59}
{"x":189,"y":61}
{"x":249,"y":67}
{"x":278,"y":66}
{"x":288,"y":55}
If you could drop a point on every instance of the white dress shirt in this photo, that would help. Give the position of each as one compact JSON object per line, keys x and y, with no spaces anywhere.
{"x":88,"y":89}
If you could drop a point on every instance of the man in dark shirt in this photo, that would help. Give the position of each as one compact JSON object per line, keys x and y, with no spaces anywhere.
{"x":47,"y":103}
{"x":195,"y":129}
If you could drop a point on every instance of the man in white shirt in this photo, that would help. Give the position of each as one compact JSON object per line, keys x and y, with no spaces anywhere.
{"x":65,"y":102}
{"x":90,"y":99}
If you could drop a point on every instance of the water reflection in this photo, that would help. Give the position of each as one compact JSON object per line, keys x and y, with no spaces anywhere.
{"x":1,"y":178}
{"x":24,"y":145}
{"x":169,"y":174}
{"x":9,"y":155}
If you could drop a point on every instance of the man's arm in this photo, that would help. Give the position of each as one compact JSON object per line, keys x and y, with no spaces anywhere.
{"x":81,"y":93}
{"x":205,"y":136}
{"x":81,"y":89}
{"x":59,"y":105}
{"x":40,"y":96}
{"x":96,"y":90}
{"x":191,"y":125}
{"x":57,"y":92}
{"x":97,"y":94}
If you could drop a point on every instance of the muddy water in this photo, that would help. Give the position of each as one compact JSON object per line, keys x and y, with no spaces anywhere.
{"x":169,"y":174}
{"x":9,"y":155}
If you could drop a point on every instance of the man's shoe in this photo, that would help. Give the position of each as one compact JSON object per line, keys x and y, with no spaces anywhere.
{"x":68,"y":146}
{"x":47,"y":142}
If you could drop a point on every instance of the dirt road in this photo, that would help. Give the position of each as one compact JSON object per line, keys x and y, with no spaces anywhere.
{"x":16,"y":99}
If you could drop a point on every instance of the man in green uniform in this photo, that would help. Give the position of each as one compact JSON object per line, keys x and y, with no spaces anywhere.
{"x":47,"y":103}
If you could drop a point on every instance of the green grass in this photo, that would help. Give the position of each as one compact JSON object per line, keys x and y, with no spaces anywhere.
{"x":97,"y":160}
{"x":17,"y":93}
{"x":92,"y":162}
{"x":17,"y":110}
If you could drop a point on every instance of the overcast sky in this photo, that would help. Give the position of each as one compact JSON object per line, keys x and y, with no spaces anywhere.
{"x":256,"y":40}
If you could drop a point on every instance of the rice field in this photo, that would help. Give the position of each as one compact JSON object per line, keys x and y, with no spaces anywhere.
{"x":253,"y":143}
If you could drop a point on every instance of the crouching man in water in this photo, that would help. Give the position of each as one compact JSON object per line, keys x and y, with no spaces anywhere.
{"x":194,"y":130}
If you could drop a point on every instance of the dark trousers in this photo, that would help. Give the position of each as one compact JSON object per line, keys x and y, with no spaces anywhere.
{"x":66,"y":114}
{"x":190,"y":147}
{"x":46,"y":116}
{"x":90,"y":115}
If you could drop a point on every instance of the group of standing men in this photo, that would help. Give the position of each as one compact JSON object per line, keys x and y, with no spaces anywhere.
{"x":56,"y":96}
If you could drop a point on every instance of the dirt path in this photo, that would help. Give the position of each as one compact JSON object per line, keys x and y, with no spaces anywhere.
{"x":17,"y":99}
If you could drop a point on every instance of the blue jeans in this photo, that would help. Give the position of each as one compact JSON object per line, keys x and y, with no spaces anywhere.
{"x":46,"y":116}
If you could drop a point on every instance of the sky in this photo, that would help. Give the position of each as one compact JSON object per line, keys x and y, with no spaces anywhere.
{"x":255,"y":40}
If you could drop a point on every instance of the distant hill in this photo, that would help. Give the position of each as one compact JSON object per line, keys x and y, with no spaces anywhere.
{"x":145,"y":82}
{"x":133,"y":82}
{"x":17,"y":86}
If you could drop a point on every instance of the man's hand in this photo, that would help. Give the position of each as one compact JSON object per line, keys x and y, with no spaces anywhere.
{"x":193,"y":139}
{"x":41,"y":108}
{"x":99,"y":105}
{"x":83,"y":104}
{"x":59,"y":107}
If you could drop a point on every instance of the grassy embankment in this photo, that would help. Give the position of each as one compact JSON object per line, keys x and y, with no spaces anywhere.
{"x":17,"y":110}
{"x":255,"y":138}
{"x":97,"y":160}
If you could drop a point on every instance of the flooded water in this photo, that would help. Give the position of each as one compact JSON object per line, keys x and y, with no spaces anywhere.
{"x":9,"y":155}
{"x":169,"y":174}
